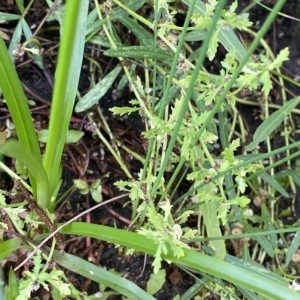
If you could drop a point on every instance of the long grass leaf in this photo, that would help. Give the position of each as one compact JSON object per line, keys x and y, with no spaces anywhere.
{"x":9,"y":246}
{"x":130,"y":5}
{"x":209,"y":211}
{"x":247,"y":278}
{"x":142,"y":34}
{"x":100,"y":275}
{"x":271,"y":124}
{"x":144,"y":52}
{"x":34,"y":165}
{"x":273,"y":183}
{"x":65,"y":87}
{"x":8,"y":17}
{"x":11,"y":87}
{"x":98,"y":91}
{"x":285,"y":173}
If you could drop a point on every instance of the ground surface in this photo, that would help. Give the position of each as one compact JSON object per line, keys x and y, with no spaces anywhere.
{"x":38,"y":85}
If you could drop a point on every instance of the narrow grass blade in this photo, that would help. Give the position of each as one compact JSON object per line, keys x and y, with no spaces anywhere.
{"x":251,"y":279}
{"x":255,"y":266}
{"x":28,"y":34}
{"x":94,"y":27}
{"x":16,"y":38}
{"x":98,"y":91}
{"x":133,"y":5}
{"x":12,"y":289}
{"x":273,"y":183}
{"x":140,"y":52}
{"x":271,"y":124}
{"x":249,"y":295}
{"x":293,"y":248}
{"x":292,"y":173}
{"x":196,"y":35}
{"x":8,"y":17}
{"x":268,"y":226}
{"x":65,"y":86}
{"x":17,"y":104}
{"x":100,"y":275}
{"x":9,"y":246}
{"x":142,"y":34}
{"x":264,"y":243}
{"x":34,"y":165}
{"x":20,"y":4}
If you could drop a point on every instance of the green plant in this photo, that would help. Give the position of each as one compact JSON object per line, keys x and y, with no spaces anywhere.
{"x":185,"y":110}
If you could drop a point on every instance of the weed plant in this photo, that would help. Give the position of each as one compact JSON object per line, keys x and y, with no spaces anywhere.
{"x":186,"y":111}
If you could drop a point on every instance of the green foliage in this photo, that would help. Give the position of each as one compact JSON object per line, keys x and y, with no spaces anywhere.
{"x":38,"y":276}
{"x":186,"y":111}
{"x":95,"y":188}
{"x":166,"y":233}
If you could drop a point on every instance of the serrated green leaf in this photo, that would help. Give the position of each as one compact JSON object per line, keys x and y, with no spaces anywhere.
{"x":98,"y":91}
{"x":280,"y":58}
{"x":267,"y":83}
{"x":226,"y":37}
{"x":140,"y":52}
{"x":123,"y":110}
{"x":270,"y":124}
{"x":212,"y":47}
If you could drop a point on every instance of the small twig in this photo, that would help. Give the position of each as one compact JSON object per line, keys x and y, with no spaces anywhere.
{"x":144,"y":266}
{"x":51,"y":9}
{"x":65,"y":224}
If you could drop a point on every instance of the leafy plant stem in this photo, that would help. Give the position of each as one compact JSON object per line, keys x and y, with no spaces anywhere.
{"x":265,"y":169}
{"x":110,"y":148}
{"x":108,"y":131}
{"x":220,"y":99}
{"x":245,"y":163}
{"x":113,"y":44}
{"x":189,"y":90}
